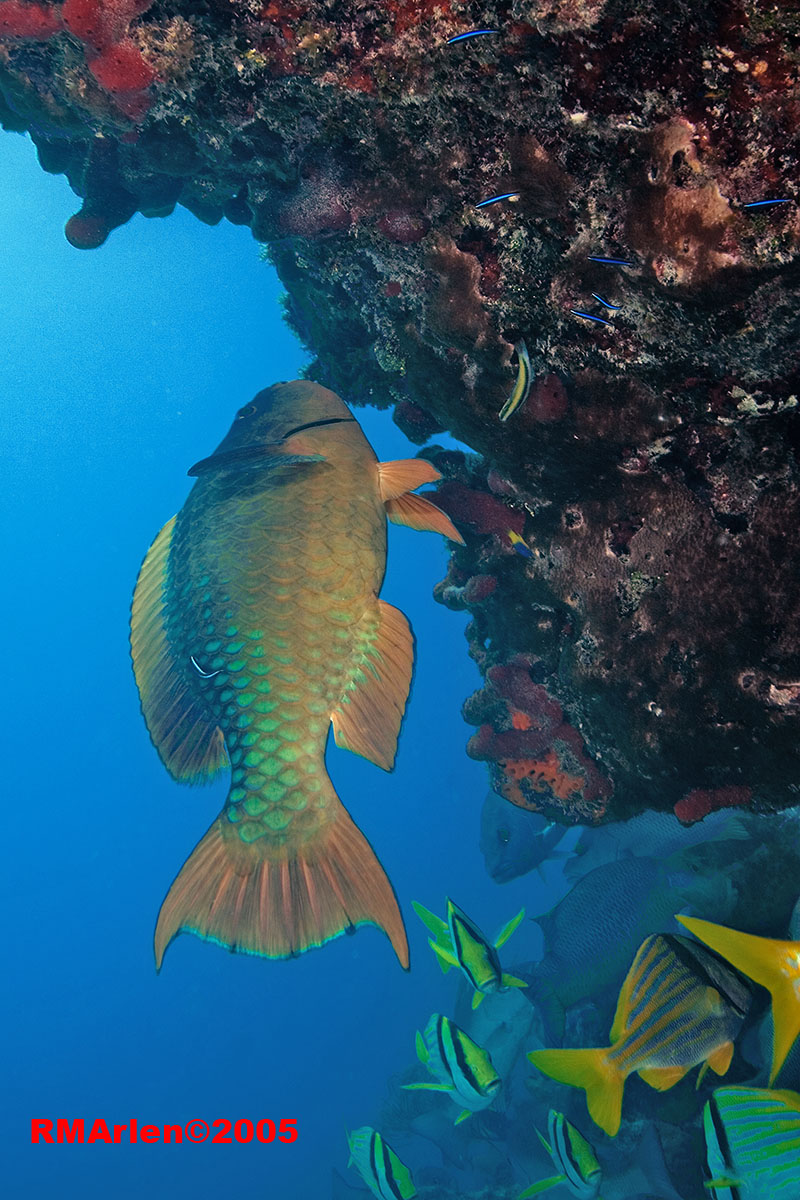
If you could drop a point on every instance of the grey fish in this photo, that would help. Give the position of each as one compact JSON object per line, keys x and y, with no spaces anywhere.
{"x":514,"y":841}
{"x":592,"y":935}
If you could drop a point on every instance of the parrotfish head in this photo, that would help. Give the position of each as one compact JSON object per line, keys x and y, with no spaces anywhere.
{"x":293,"y":420}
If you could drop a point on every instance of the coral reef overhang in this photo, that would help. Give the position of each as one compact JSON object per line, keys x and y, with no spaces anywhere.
{"x":641,"y":644}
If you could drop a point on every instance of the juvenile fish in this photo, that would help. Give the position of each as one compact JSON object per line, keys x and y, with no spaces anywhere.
{"x":256,"y":625}
{"x":376,"y":1162}
{"x":675,"y":1010}
{"x":464,"y":1069}
{"x":522,"y":386}
{"x":458,"y":942}
{"x":574,"y":1158}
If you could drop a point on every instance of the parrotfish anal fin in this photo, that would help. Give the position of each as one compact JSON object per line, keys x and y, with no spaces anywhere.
{"x":418,"y":513}
{"x":247,"y":898}
{"x":663,"y":1078}
{"x":368,"y":717}
{"x":190,"y":745}
{"x":403,"y":475}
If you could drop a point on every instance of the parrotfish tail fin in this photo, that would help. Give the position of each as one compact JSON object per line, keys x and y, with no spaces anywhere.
{"x":397,"y":482}
{"x":595,"y":1073}
{"x":769,"y":962}
{"x":183,"y":732}
{"x":278,"y":902}
{"x":543,"y":1185}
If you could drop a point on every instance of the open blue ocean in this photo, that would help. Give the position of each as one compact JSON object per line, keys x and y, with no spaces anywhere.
{"x":120,"y":368}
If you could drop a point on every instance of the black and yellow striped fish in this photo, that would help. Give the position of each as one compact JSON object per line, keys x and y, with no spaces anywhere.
{"x":678,"y":1007}
{"x":753,"y":1144}
{"x":458,"y":942}
{"x":464,"y":1069}
{"x":580,"y":1172}
{"x":378,"y":1165}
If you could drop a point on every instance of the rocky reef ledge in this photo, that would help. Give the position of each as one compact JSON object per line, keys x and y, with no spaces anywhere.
{"x":639,"y":638}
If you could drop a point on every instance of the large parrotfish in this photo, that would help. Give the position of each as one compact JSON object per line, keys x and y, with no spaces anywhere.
{"x":256,"y":624}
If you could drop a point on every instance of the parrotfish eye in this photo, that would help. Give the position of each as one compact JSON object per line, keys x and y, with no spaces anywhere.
{"x":504,"y":836}
{"x":247,"y":411}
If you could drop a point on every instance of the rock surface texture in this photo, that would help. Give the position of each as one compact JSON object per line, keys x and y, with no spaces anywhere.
{"x":641,"y":644}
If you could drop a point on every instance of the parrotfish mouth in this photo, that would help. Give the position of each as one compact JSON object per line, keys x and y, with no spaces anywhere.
{"x":245,"y":456}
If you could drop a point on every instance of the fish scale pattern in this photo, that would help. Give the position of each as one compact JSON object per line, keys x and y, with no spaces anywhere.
{"x":287,"y":579}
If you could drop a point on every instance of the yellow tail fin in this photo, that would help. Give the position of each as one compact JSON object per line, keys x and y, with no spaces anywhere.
{"x":592,"y":1071}
{"x":279,"y":901}
{"x":772,"y":963}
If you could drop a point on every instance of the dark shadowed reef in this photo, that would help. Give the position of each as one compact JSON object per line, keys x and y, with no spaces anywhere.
{"x":645,"y":653}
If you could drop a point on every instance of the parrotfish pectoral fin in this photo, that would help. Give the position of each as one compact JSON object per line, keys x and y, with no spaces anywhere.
{"x":543,"y":1185}
{"x":592,"y":1071}
{"x":249,"y":898}
{"x":507,"y":930}
{"x":368,"y":717}
{"x":404,"y":475}
{"x":418,"y":513}
{"x":770,"y":962}
{"x":188,"y":740}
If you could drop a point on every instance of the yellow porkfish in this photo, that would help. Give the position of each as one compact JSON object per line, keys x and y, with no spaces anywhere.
{"x":677,"y":1008}
{"x":256,"y":625}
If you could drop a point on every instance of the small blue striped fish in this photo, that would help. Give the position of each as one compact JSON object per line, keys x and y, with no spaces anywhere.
{"x":753,"y":1144}
{"x":464,"y":1069}
{"x":378,"y":1165}
{"x":679,"y":1006}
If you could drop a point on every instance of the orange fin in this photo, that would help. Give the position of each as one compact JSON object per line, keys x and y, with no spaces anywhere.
{"x":368,"y":717}
{"x":189,"y":743}
{"x":774,"y":964}
{"x":720,"y":1059}
{"x":403,"y":475}
{"x":662,"y":1078}
{"x":419,"y":513}
{"x":276,"y":902}
{"x":592,"y":1071}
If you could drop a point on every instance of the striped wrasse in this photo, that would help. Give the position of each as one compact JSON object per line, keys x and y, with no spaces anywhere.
{"x":464,"y":1069}
{"x":773,"y":963}
{"x":457,"y":942}
{"x":522,"y":384}
{"x":378,"y":1165}
{"x":753,"y":1144}
{"x":579,"y":1169}
{"x":677,"y":1008}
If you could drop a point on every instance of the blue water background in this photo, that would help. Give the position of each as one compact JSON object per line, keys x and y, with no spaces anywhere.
{"x":120,"y":368}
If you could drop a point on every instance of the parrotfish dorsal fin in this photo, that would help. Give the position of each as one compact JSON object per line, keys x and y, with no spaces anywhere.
{"x":367,"y":718}
{"x":418,"y":513}
{"x":190,"y":745}
{"x":403,"y":475}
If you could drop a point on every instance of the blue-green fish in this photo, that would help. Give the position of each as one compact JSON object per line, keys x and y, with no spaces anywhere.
{"x":753,"y":1144}
{"x":677,"y":1009}
{"x":575,"y":1159}
{"x":457,"y":942}
{"x":464,"y":1069}
{"x":378,"y":1165}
